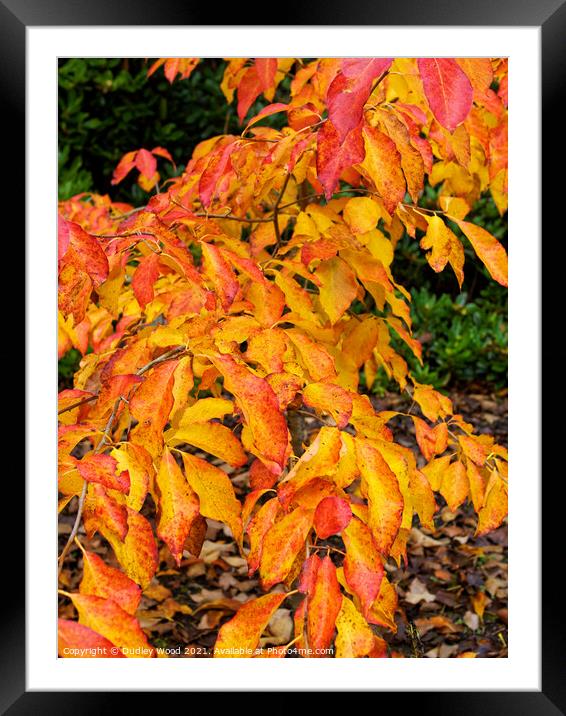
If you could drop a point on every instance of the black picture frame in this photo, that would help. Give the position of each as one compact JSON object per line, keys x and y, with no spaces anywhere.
{"x":550,"y":16}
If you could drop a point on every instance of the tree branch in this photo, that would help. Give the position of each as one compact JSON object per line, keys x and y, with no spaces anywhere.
{"x":275,"y":217}
{"x":102,"y":442}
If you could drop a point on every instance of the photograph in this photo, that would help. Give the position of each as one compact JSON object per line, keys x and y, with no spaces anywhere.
{"x":282,"y":342}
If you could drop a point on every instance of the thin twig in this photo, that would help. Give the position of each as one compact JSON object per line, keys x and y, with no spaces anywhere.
{"x":97,"y":449}
{"x":234,"y":218}
{"x":125,"y":235}
{"x":161,"y":359}
{"x":102,"y":442}
{"x":313,"y":415}
{"x":75,"y":527}
{"x":77,"y":404}
{"x":276,"y":214}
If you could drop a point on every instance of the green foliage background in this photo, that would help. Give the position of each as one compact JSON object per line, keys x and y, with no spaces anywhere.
{"x":108,"y":107}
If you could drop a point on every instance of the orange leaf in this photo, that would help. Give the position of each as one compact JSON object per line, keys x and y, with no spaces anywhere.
{"x":249,"y":89}
{"x":281,"y":544}
{"x":488,"y":249}
{"x":316,"y":359}
{"x":103,"y":513}
{"x":177,"y":505}
{"x":382,"y":164}
{"x":220,"y":273}
{"x":137,"y":461}
{"x":151,"y":405}
{"x":260,"y":476}
{"x":422,"y":498}
{"x":146,"y":163}
{"x":85,"y":250}
{"x":477,"y":485}
{"x":385,"y":501}
{"x":107,"y":618}
{"x":262,"y":521}
{"x":137,"y":553}
{"x":102,"y":580}
{"x":260,"y":410}
{"x":240,"y":636}
{"x":479,"y":602}
{"x":494,"y":509}
{"x":334,"y":155}
{"x":318,"y":460}
{"x":431,"y":441}
{"x":350,"y":90}
{"x":473,"y":449}
{"x":455,"y":486}
{"x":329,"y":398}
{"x":266,"y":68}
{"x":102,"y":469}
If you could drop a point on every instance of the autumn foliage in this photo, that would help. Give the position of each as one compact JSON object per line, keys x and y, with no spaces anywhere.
{"x":256,"y":286}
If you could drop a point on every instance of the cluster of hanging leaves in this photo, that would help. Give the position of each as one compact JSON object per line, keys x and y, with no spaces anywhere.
{"x":208,"y":317}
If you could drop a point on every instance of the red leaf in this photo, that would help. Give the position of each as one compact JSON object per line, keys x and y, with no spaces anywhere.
{"x":266,"y":68}
{"x":146,"y":163}
{"x":448,"y":90}
{"x":77,"y":641}
{"x":88,"y":252}
{"x":219,"y":162}
{"x":308,"y":574}
{"x":102,"y":469}
{"x":220,"y":273}
{"x":161,"y":152}
{"x":249,"y":89}
{"x":363,"y":568}
{"x":350,"y":90}
{"x":323,"y":606}
{"x":331,"y":516}
{"x":144,"y":277}
{"x":334,"y":155}
{"x":125,"y":165}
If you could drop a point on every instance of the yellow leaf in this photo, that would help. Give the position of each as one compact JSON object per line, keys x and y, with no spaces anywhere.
{"x":339,"y":287}
{"x":206,"y":409}
{"x":385,"y":500}
{"x":445,"y":247}
{"x":355,"y":637}
{"x":216,"y":493}
{"x":213,"y":438}
{"x":362,"y":214}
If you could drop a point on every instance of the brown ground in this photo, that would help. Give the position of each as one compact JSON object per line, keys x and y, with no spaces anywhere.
{"x":452,"y":595}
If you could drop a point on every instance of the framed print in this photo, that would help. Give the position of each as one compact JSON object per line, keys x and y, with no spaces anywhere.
{"x":236,"y":477}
